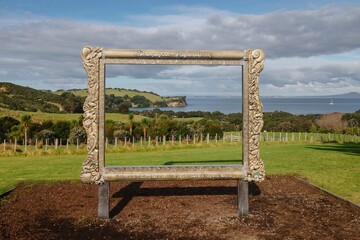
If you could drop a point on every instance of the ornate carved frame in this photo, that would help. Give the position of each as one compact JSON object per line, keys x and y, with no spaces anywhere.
{"x":95,"y":60}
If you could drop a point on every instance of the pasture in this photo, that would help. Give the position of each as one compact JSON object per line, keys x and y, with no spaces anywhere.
{"x":332,"y":166}
{"x":39,"y":117}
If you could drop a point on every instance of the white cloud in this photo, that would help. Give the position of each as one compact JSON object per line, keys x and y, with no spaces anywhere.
{"x":47,"y":51}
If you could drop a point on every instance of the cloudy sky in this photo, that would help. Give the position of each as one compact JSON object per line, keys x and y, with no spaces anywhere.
{"x":312,"y":47}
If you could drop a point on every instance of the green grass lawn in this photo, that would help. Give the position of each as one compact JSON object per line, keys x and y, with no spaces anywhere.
{"x":194,"y":154}
{"x":335,"y":167}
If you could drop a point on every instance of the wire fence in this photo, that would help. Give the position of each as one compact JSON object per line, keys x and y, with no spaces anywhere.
{"x":229,"y":137}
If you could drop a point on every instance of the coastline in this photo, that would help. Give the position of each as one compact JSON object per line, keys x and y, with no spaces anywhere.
{"x":293,"y":105}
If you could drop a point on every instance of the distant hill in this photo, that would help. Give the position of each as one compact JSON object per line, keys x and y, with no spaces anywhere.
{"x":345,"y":95}
{"x":21,"y":98}
{"x":135,"y":97}
{"x":119,"y":92}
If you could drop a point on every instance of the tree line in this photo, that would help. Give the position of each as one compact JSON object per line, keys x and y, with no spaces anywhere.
{"x":166,"y":124}
{"x":11,"y":129}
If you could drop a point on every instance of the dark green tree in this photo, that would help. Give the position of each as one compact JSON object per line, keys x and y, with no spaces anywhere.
{"x":6,"y":123}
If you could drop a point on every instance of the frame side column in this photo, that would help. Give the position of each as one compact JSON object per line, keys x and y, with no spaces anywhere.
{"x":91,"y":62}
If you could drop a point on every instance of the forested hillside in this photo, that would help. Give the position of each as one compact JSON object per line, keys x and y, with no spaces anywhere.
{"x":133,"y":98}
{"x":17,"y":97}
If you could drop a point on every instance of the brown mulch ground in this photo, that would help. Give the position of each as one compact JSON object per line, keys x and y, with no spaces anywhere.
{"x":282,"y":207}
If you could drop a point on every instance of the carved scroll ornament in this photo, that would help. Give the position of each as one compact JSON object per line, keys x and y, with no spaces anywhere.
{"x":256,"y":170}
{"x":91,"y":62}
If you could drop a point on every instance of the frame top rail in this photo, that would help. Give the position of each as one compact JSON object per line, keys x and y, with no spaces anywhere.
{"x":175,"y":54}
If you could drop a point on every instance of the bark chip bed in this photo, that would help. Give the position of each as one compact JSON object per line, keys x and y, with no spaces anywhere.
{"x":281,"y":207}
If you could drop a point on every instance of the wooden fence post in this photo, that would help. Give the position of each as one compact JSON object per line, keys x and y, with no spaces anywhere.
{"x":15,"y":145}
{"x":180,"y":140}
{"x":4,"y":145}
{"x":25,"y":144}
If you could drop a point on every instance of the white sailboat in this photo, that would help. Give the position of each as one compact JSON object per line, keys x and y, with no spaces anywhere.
{"x":331,"y":102}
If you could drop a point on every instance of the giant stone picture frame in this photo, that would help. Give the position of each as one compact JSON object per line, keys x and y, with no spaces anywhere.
{"x":94,"y":169}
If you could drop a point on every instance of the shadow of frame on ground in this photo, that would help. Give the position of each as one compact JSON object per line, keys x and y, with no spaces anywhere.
{"x":134,"y":189}
{"x":348,"y":148}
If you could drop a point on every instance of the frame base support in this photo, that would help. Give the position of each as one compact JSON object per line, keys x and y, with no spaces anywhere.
{"x":243,"y":198}
{"x":104,"y":200}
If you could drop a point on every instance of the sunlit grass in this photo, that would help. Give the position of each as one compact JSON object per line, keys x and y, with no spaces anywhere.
{"x":335,"y":167}
{"x":42,"y":116}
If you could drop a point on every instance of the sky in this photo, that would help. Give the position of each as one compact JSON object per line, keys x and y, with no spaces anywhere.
{"x":312,"y":47}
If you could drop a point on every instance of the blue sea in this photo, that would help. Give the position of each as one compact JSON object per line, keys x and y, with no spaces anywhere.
{"x":294,"y":105}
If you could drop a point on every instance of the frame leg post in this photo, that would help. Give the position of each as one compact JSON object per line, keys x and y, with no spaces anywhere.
{"x":243,"y":198}
{"x":104,"y":200}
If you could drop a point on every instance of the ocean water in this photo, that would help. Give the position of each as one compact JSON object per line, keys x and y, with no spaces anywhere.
{"x":294,"y":105}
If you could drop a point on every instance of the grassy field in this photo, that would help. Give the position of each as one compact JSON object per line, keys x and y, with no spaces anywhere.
{"x":41,"y":116}
{"x":335,"y":167}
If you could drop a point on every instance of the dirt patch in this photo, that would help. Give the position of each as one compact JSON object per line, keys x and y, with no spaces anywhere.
{"x":282,"y":207}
